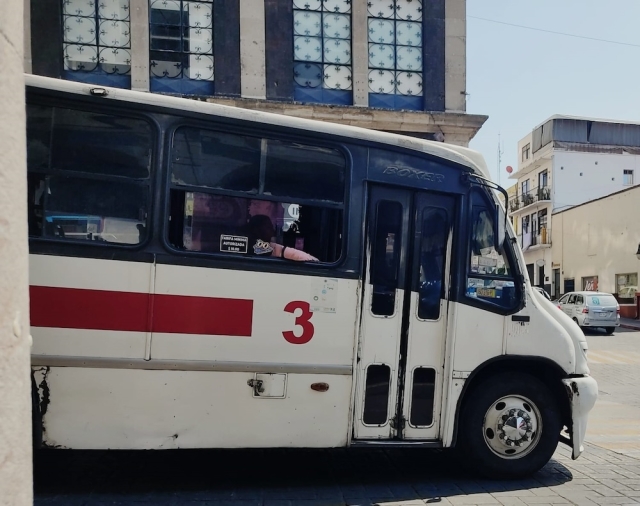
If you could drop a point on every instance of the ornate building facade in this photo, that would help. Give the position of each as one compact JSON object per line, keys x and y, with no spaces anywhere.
{"x":392,"y":65}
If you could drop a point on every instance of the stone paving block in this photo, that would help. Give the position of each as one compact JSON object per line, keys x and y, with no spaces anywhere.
{"x":580,"y":499}
{"x":328,"y":492}
{"x":318,"y":502}
{"x":605,"y":491}
{"x":404,"y":492}
{"x":513,"y":493}
{"x":549,"y":499}
{"x":614,"y":484}
{"x":473,"y":499}
{"x":544,"y":492}
{"x":511,"y":501}
{"x":414,"y":502}
{"x":353,"y":491}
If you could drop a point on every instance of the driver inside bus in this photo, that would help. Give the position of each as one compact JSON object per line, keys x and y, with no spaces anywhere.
{"x":261,"y":233}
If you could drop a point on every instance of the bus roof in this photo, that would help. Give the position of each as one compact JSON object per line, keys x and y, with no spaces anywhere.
{"x":457,"y":154}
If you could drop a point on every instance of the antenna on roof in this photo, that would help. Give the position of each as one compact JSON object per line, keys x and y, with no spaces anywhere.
{"x":500,"y":151}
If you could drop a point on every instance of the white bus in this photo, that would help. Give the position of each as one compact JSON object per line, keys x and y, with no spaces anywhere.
{"x":211,"y":277}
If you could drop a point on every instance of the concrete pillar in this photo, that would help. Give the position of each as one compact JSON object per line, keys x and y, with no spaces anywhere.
{"x":253,"y":82}
{"x":139,"y":10}
{"x":455,"y":55}
{"x":16,"y":482}
{"x":360,"y":53}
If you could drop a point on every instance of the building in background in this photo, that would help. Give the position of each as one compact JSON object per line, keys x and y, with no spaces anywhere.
{"x":564,"y":162}
{"x":391,"y":65}
{"x":595,"y":246}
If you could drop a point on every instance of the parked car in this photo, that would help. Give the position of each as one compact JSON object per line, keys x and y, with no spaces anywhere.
{"x":592,"y":309}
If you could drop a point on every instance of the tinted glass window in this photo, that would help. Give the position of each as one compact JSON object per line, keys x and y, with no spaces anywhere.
{"x":247,"y":227}
{"x":422,"y":396}
{"x":90,"y":142}
{"x":88,"y":175}
{"x":435,"y":232}
{"x":385,"y":261}
{"x":490,"y":279}
{"x":303,"y":171}
{"x":376,"y":396}
{"x":39,"y":128}
{"x":84,"y":209}
{"x":602,"y":300}
{"x":216,"y":160}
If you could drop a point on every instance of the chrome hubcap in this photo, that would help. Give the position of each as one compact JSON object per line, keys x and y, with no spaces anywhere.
{"x":511,"y":426}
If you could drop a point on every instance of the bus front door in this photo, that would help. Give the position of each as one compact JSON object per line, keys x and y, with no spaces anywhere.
{"x":404,"y":315}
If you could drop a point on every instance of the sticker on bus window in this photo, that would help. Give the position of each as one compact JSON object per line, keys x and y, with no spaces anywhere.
{"x":234,"y":244}
{"x":324,"y":295}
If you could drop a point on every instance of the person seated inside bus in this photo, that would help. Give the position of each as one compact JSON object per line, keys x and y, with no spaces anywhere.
{"x":261,"y":232}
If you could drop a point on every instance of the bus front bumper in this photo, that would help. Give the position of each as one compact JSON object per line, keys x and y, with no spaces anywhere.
{"x":582,"y":393}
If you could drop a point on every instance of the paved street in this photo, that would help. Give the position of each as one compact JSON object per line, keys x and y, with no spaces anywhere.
{"x":608,"y":472}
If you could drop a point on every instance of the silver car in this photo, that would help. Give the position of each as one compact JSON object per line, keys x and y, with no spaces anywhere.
{"x":592,"y":309}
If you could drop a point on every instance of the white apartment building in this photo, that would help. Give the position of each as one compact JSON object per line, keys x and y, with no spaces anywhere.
{"x":564,"y":162}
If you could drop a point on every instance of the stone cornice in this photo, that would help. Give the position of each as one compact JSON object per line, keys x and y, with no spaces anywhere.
{"x":458,"y":125}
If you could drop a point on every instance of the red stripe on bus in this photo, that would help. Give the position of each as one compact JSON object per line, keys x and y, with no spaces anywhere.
{"x":74,"y":308}
{"x":202,"y":315}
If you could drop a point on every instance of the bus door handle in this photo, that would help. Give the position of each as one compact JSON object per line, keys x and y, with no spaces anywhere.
{"x":257,"y":386}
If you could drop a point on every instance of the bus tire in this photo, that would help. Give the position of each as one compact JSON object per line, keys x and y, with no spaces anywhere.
{"x":510,"y":426}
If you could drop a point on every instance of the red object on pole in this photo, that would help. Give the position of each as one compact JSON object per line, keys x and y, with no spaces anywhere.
{"x":509,"y":169}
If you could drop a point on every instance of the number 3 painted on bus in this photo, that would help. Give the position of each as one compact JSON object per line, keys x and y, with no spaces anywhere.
{"x":302,"y":320}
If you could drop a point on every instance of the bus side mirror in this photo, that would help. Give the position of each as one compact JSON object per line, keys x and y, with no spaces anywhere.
{"x":500,"y":226}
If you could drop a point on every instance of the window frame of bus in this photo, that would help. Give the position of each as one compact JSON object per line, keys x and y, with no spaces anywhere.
{"x":53,"y":100}
{"x":478,"y":196}
{"x":248,"y":131}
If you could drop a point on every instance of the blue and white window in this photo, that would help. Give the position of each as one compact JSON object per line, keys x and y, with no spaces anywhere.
{"x":322,"y":51}
{"x":97,"y":42}
{"x":395,"y":54}
{"x":181,"y":46}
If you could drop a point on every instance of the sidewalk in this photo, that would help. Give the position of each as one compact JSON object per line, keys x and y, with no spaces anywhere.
{"x":629,"y":323}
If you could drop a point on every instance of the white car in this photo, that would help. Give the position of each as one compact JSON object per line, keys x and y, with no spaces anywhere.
{"x":592,"y":309}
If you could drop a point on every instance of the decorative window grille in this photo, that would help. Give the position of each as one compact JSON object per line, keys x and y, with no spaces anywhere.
{"x":96,"y":41}
{"x":181,"y":45}
{"x":395,"y":54}
{"x":322,"y":51}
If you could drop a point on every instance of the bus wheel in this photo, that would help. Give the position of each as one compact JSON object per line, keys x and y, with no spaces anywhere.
{"x":510,"y":426}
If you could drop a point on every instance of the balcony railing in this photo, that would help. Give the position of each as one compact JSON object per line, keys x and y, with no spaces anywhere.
{"x":540,"y":237}
{"x":539,"y":194}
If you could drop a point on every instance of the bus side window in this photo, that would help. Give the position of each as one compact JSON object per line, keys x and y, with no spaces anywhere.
{"x":88,"y":175}
{"x":490,"y":279}
{"x":293,"y":196}
{"x":435,"y":234}
{"x":385,"y":257}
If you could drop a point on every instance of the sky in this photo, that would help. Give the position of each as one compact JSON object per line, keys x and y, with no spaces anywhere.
{"x":520,"y":77}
